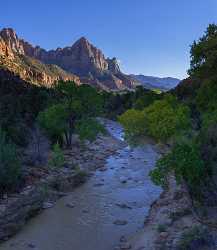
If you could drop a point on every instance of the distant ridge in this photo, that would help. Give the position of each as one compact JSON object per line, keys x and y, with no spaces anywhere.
{"x":152,"y":82}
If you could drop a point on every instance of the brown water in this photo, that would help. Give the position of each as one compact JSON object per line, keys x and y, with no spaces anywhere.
{"x":90,"y":224}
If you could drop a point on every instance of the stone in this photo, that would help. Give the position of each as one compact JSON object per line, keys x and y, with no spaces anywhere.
{"x":47,"y":205}
{"x":125,"y":246}
{"x":31,"y":245}
{"x":98,"y":184}
{"x":123,"y":239}
{"x":70,"y":205}
{"x":123,"y":205}
{"x":120,"y":222}
{"x":164,"y":235}
{"x":123,"y":179}
{"x":103,"y":169}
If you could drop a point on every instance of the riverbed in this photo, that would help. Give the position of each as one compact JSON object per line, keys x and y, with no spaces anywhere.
{"x":111,"y":204}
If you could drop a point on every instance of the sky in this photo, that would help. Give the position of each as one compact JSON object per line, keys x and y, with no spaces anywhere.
{"x":151,"y":37}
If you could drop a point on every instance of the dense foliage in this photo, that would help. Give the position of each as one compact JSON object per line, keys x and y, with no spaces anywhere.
{"x":162,"y":120}
{"x":88,"y":129}
{"x":10,"y":166}
{"x":57,"y":159}
{"x":185,"y":161}
{"x":75,"y":103}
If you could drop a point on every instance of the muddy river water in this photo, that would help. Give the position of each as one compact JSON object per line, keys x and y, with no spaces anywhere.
{"x":112,"y":203}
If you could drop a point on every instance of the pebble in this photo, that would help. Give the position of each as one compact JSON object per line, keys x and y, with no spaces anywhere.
{"x":123,"y":179}
{"x":120,"y":222}
{"x":123,"y":239}
{"x":98,"y":184}
{"x":102,"y":169}
{"x":47,"y":205}
{"x":123,"y":205}
{"x":164,"y":235}
{"x":70,"y":205}
{"x":31,"y":245}
{"x":125,"y":246}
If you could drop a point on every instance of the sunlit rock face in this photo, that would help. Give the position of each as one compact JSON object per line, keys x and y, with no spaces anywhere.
{"x":15,"y":57}
{"x":81,"y":62}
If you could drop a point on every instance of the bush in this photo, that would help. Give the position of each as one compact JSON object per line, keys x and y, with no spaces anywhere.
{"x":10,"y":166}
{"x":167,"y":118}
{"x":185,"y":161}
{"x":57,"y":157}
{"x":208,"y":142}
{"x":194,"y":237}
{"x":88,"y":129}
{"x":134,"y":122}
{"x":162,"y":120}
{"x":54,"y":121}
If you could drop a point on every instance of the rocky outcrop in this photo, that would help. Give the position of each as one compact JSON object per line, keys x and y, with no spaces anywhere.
{"x":14,"y":58}
{"x":81,"y":59}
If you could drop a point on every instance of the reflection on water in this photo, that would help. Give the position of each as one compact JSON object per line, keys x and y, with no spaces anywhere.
{"x":123,"y":193}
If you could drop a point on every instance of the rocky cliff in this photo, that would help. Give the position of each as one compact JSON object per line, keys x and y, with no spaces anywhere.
{"x":14,"y":59}
{"x":81,"y":59}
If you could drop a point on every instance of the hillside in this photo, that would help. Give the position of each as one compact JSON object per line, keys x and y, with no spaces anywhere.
{"x":151,"y":82}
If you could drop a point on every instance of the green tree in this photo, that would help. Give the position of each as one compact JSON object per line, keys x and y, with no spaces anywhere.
{"x":204,"y":54}
{"x":185,"y":161}
{"x":75,"y":103}
{"x":54,"y":121}
{"x":88,"y":129}
{"x":134,"y":122}
{"x":167,"y":118}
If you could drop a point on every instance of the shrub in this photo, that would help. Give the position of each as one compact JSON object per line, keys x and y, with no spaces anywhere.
{"x":134,"y":122}
{"x":194,"y":237}
{"x":162,"y":228}
{"x":57,"y":157}
{"x":208,"y":142}
{"x":53,"y":120}
{"x":10,"y":166}
{"x":185,"y":161}
{"x":167,"y":118}
{"x":88,"y":129}
{"x":162,"y":120}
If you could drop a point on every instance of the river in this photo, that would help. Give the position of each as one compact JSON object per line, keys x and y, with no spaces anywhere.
{"x":110,"y":204}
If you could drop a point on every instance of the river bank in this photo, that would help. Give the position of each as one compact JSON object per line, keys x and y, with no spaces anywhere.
{"x":107,"y":209}
{"x":173,"y":225}
{"x":45,"y":185}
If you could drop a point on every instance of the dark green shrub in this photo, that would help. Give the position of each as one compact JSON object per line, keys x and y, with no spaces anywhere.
{"x":185,"y":161}
{"x":195,"y":237}
{"x":88,"y":129}
{"x":57,"y":159}
{"x":10,"y":166}
{"x":167,"y":118}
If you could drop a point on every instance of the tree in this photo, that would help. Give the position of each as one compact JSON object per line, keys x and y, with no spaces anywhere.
{"x":204,"y":55}
{"x":75,"y":104}
{"x":185,"y":161}
{"x":134,"y":122}
{"x":54,"y":121}
{"x":167,"y":118}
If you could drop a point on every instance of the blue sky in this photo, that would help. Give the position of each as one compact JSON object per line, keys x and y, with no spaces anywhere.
{"x":151,"y":37}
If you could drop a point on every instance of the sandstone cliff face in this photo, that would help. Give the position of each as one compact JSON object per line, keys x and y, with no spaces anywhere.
{"x":81,"y":59}
{"x":14,"y":59}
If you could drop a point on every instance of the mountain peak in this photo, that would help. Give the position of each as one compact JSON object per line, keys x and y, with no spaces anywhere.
{"x":11,"y":39}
